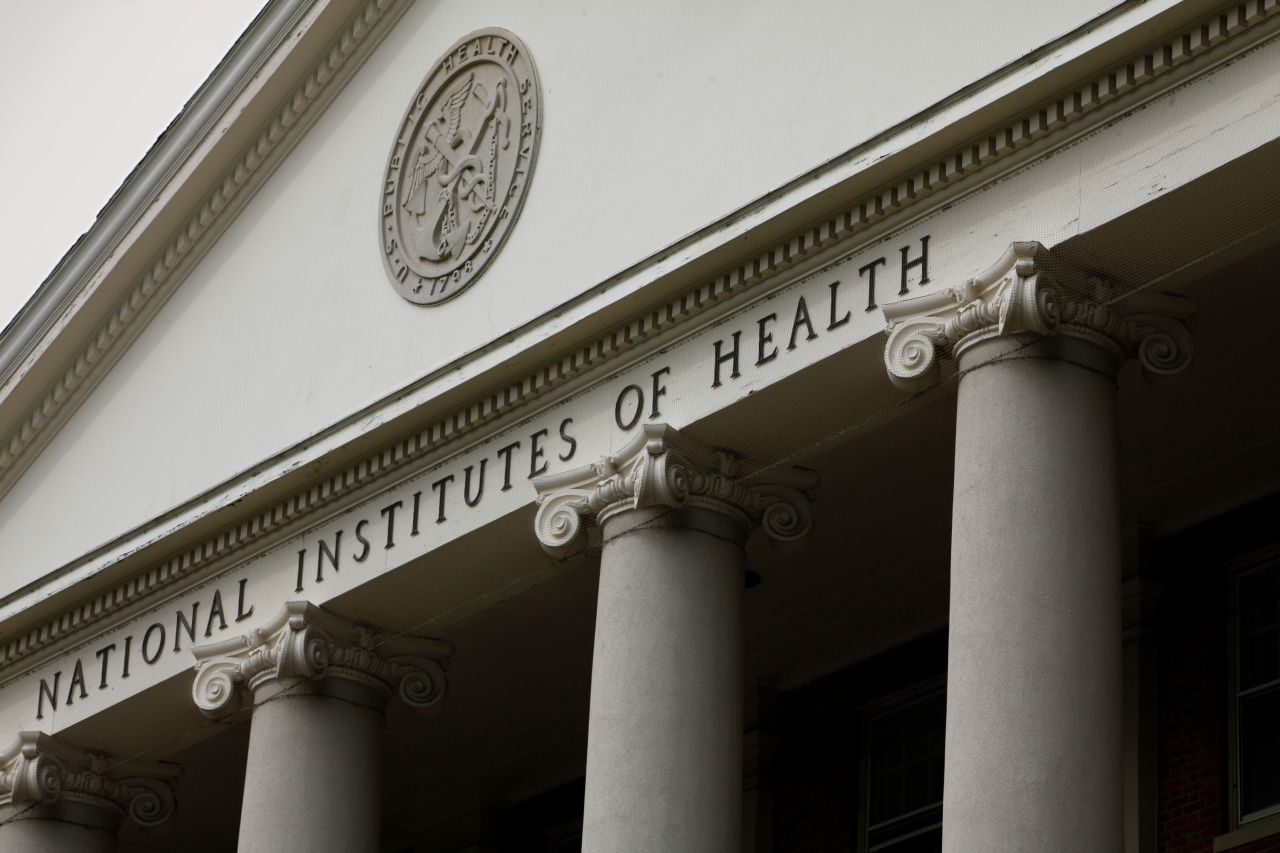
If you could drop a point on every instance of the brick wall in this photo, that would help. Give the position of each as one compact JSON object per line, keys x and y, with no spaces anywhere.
{"x":1193,"y":677}
{"x":1192,"y":692}
{"x":816,"y":783}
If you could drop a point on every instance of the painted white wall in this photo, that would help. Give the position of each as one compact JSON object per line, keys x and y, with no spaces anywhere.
{"x":657,"y":121}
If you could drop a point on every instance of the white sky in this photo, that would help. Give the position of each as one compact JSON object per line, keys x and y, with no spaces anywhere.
{"x":86,"y":86}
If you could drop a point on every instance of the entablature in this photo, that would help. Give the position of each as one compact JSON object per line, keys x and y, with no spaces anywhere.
{"x":793,"y":303}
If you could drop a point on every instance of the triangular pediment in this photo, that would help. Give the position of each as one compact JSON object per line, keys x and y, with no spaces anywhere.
{"x":241,"y":298}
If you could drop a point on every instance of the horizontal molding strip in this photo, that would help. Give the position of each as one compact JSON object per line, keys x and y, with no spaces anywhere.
{"x":978,"y":154}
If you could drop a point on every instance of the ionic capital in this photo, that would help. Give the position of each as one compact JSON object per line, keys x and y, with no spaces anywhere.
{"x":1017,"y":298}
{"x":654,"y":471}
{"x":39,"y":770}
{"x":304,"y":643}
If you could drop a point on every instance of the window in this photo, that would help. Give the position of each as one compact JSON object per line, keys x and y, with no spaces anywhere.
{"x":902,"y":775}
{"x":1257,"y":693}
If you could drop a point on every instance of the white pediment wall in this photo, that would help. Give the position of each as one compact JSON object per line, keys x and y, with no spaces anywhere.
{"x":657,"y":121}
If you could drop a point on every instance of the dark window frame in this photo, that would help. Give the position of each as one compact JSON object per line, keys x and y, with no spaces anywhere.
{"x":1262,"y":560}
{"x":900,"y":700}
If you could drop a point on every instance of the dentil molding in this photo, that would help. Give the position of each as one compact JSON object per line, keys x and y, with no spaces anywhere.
{"x":1066,"y":112}
{"x":652,"y":471}
{"x":39,"y":770}
{"x":1016,"y":297}
{"x":304,"y":643}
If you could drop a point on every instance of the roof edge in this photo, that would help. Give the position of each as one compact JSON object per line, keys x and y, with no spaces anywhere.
{"x":58,"y":292}
{"x":412,"y":427}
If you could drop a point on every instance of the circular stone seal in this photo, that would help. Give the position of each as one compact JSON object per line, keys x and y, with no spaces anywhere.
{"x":460,"y":168}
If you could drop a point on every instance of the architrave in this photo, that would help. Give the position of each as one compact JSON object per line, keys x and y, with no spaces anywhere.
{"x":1073,"y":112}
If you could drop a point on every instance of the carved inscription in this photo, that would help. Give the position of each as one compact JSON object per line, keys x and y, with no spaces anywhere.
{"x":460,"y":167}
{"x":822,"y":313}
{"x":775,"y":335}
{"x":411,"y":515}
{"x":171,"y":632}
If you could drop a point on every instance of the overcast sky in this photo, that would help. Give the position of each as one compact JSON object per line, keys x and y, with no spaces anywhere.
{"x":85,"y":87}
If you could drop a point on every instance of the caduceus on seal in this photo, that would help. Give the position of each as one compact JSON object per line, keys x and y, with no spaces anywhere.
{"x":451,"y":189}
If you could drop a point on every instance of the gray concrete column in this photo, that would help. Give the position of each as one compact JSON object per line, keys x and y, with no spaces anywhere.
{"x":66,"y":827}
{"x":1034,"y":712}
{"x":664,"y":751}
{"x":314,"y":773}
{"x":318,"y":685}
{"x":1033,"y":742}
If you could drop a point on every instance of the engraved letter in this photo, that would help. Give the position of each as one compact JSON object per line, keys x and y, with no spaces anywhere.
{"x":441,"y":484}
{"x":869,"y":270}
{"x":77,"y":677}
{"x":241,"y":613}
{"x":835,"y":324}
{"x":302,"y":556}
{"x":638,"y":392}
{"x":360,"y":537}
{"x":466,"y":484}
{"x":105,"y":654}
{"x":659,"y":390}
{"x":765,"y":339}
{"x":180,"y":624}
{"x":323,"y":551}
{"x":802,"y":317}
{"x":215,"y":609}
{"x":536,"y":453}
{"x":564,"y":436}
{"x":146,"y":643}
{"x":50,"y":692}
{"x":389,"y":513}
{"x":922,"y":262}
{"x":721,"y":359}
{"x":505,"y":453}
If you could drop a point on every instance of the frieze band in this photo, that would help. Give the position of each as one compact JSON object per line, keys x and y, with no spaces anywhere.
{"x":1140,"y":72}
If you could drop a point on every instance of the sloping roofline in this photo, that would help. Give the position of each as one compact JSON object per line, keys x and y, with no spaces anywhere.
{"x":882,"y":165}
{"x":84,"y":314}
{"x":255,"y":105}
{"x":198,"y":115}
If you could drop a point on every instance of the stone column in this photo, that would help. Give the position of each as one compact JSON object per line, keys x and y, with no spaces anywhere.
{"x":56,"y":798}
{"x":1034,"y":718}
{"x":318,"y":685}
{"x":664,"y":749}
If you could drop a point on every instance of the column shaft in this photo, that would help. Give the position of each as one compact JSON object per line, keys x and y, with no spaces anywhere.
{"x":1033,"y":742}
{"x":319,"y":684}
{"x":313,"y":777}
{"x":664,"y":752}
{"x":66,"y":827}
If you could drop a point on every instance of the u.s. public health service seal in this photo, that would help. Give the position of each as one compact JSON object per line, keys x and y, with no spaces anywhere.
{"x":460,"y":168}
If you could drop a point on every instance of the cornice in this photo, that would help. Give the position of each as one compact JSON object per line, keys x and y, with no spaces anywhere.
{"x":74,"y":270}
{"x":1074,"y":111}
{"x":23,"y":441}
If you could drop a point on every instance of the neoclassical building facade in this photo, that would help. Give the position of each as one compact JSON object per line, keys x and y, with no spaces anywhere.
{"x":547,"y":427}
